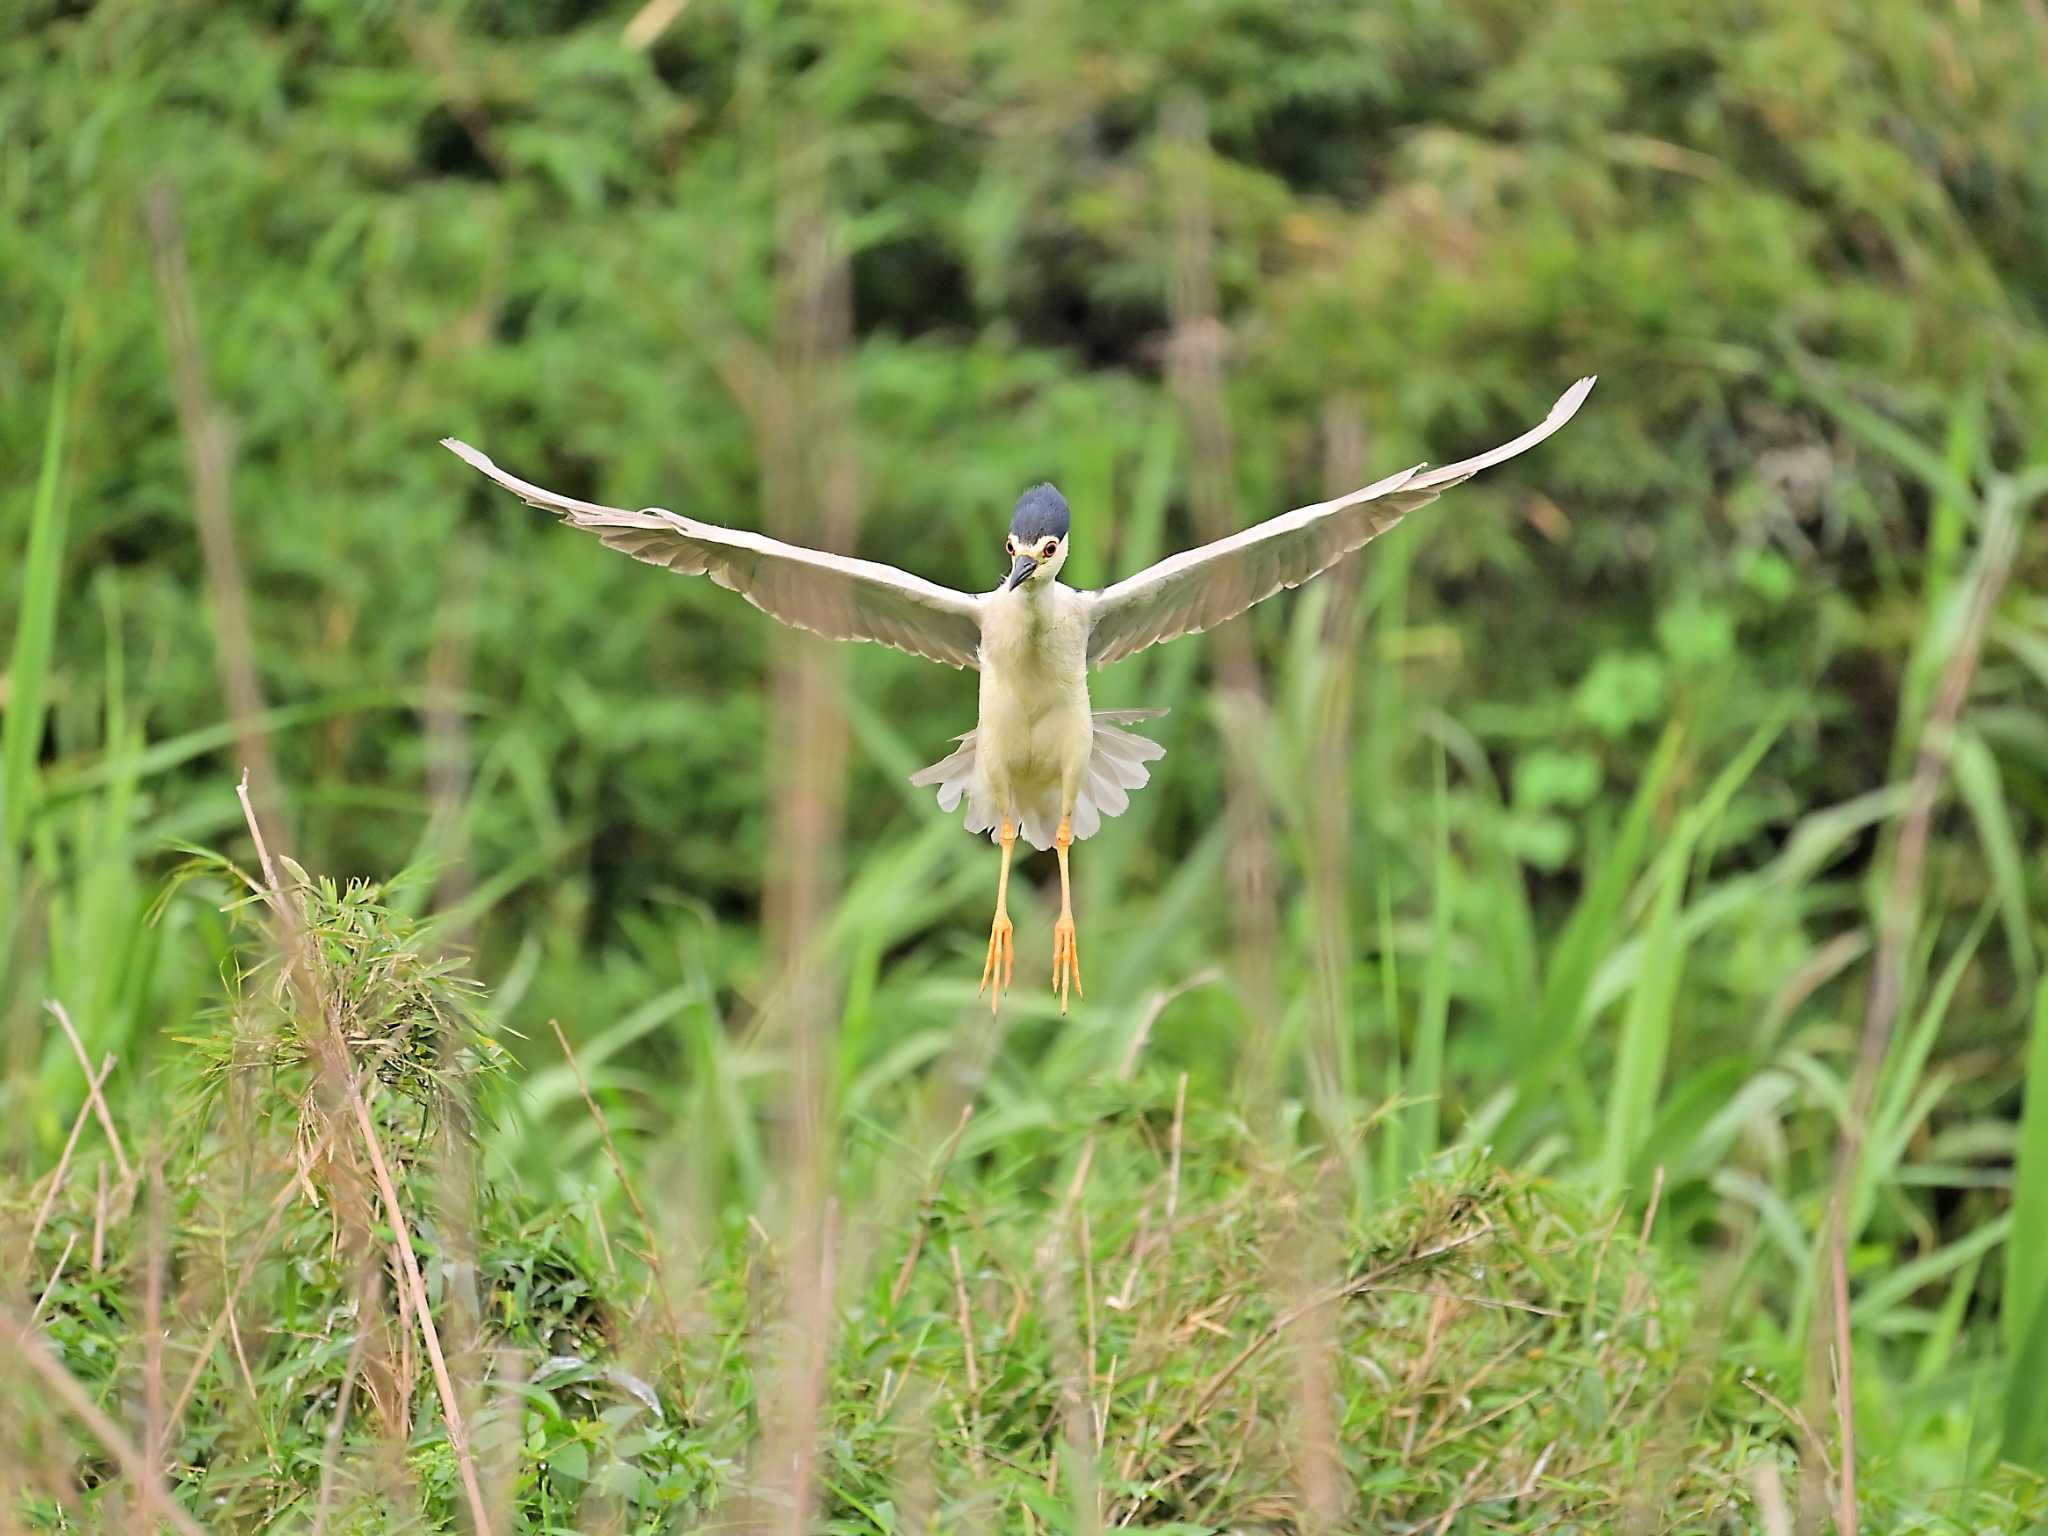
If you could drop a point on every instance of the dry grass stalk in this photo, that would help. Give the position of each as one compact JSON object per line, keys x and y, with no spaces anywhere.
{"x":797,"y":399}
{"x":92,"y":1088}
{"x":94,"y":1096}
{"x":1328,"y":848}
{"x":1845,"y":1412}
{"x":279,"y":1204}
{"x":367,"y":1299}
{"x":209,"y":457}
{"x":458,"y":1435}
{"x":644,"y":28}
{"x":924,"y":1207}
{"x":1897,"y":924}
{"x":973,"y":1375}
{"x":415,"y":1287}
{"x":99,"y":1220}
{"x":1774,"y":1516}
{"x":56,"y":1274}
{"x":1195,"y":371}
{"x":1180,"y":1120}
{"x":139,"y":1469}
{"x":1816,"y":1448}
{"x":448,"y":747}
{"x":501,"y":1468}
{"x":1318,"y":1471}
{"x":1464,"y":1498}
{"x":156,"y":1427}
{"x":1286,"y":1319}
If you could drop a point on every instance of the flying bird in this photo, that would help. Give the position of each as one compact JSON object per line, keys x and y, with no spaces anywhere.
{"x":1039,"y":764}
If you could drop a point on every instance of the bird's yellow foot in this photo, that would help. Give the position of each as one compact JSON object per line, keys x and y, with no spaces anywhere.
{"x":1001,"y":963}
{"x":1066,"y":960}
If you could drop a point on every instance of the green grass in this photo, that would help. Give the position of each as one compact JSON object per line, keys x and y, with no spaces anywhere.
{"x":1023,"y":1339}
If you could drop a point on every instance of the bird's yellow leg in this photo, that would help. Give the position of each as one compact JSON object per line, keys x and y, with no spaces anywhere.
{"x":1066,"y":949}
{"x":1002,"y":947}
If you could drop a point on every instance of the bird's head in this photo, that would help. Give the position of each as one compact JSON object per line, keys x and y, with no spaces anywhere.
{"x":1037,"y":541}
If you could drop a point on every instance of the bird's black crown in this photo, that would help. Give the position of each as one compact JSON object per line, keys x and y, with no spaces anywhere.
{"x":1041,"y":513}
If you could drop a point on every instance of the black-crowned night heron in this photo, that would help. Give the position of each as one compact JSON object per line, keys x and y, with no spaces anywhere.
{"x":1038,"y":763}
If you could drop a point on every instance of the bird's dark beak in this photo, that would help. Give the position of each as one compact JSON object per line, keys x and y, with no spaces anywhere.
{"x":1024,"y":567}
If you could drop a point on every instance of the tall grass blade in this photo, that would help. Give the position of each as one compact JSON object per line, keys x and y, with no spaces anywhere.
{"x":2026,"y":1256}
{"x":1427,"y":1080}
{"x":1982,"y":788}
{"x":1902,"y":1282}
{"x":35,"y":630}
{"x":2025,"y":1438}
{"x":1903,"y":1097}
{"x":1645,"y":1034}
{"x":1592,"y":933}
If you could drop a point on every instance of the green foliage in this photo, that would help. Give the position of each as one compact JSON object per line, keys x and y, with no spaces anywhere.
{"x":1480,"y":1325}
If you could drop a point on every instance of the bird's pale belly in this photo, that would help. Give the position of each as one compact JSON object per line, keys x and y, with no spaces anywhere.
{"x":1033,"y":740}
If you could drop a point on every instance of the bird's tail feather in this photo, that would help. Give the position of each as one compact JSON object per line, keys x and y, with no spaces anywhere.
{"x":1116,"y":766}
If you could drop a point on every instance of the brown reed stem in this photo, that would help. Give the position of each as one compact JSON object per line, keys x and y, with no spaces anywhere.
{"x":74,"y":1399}
{"x":92,"y":1089}
{"x":1897,"y":923}
{"x":296,"y":953}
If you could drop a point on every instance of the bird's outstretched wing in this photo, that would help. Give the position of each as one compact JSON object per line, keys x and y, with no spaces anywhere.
{"x":1200,"y":588}
{"x":831,"y":595}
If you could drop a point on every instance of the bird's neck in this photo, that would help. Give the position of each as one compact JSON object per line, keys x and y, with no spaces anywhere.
{"x":1021,"y":620}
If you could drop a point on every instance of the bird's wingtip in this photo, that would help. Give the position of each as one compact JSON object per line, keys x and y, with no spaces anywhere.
{"x":1569,"y":402}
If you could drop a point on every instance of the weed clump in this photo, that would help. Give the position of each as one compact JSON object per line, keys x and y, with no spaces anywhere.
{"x":299,"y":1282}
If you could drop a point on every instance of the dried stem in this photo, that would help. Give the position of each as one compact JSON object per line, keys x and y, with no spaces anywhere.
{"x":366,"y":1304}
{"x":279,"y":1204}
{"x":74,"y":1399}
{"x":1897,"y":922}
{"x":92,"y":1089}
{"x":1312,"y":1258}
{"x":973,"y":1374}
{"x":458,"y":1436}
{"x":99,"y":1220}
{"x":156,"y":1426}
{"x":1195,"y":370}
{"x":296,"y":952}
{"x":796,"y":397}
{"x":1285,"y":1320}
{"x":646,"y":25}
{"x":56,"y":1274}
{"x":448,"y":745}
{"x":924,"y":1207}
{"x":209,"y":458}
{"x":1328,"y":851}
{"x":1845,"y":1412}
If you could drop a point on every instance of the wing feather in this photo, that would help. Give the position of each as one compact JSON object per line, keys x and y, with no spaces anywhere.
{"x":1198,"y":589}
{"x":831,"y":595}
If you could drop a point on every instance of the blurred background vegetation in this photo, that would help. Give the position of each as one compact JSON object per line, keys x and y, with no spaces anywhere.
{"x":1624,"y":732}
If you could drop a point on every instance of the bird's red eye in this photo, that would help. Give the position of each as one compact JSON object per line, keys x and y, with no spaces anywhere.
{"x":1009,"y":546}
{"x":1051,"y":546}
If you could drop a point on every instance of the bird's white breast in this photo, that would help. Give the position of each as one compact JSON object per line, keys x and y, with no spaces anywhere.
{"x":1034,"y":682}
